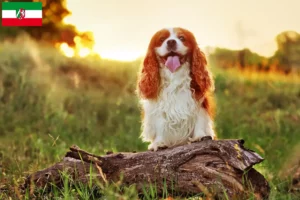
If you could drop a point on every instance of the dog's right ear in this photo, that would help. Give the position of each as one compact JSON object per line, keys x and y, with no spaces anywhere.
{"x":149,"y":78}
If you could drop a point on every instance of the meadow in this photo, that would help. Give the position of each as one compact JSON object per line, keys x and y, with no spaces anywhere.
{"x":49,"y":102}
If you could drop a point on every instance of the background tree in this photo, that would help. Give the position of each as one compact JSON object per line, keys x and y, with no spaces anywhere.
{"x":285,"y":59}
{"x":288,"y":53}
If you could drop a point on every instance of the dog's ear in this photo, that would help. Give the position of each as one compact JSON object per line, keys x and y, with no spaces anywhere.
{"x":201,"y":78}
{"x":149,"y":78}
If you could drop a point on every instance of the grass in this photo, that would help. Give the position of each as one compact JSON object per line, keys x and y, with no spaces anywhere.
{"x":49,"y":102}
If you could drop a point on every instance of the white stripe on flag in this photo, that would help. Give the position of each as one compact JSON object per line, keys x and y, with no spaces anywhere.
{"x":28,"y":14}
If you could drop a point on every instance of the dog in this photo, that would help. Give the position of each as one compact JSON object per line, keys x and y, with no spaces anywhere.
{"x":175,"y":91}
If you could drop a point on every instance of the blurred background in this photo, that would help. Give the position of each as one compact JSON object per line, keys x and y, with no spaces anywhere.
{"x":73,"y":80}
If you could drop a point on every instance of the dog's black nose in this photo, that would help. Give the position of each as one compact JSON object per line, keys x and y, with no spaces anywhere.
{"x":171,"y":43}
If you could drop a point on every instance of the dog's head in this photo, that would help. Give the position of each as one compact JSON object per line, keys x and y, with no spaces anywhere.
{"x":171,"y":48}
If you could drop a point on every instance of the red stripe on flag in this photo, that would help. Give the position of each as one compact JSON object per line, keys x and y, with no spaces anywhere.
{"x":22,"y":22}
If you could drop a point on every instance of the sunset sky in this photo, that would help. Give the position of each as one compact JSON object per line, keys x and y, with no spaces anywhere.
{"x":123,"y":28}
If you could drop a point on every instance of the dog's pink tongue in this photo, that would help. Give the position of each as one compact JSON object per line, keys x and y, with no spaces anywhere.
{"x":172,"y":63}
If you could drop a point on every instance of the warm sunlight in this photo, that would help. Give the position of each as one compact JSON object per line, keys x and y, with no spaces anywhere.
{"x":122,"y":30}
{"x":217,"y":115}
{"x":83,"y":52}
{"x":65,"y":49}
{"x":121,"y":55}
{"x":118,"y":54}
{"x":113,"y":54}
{"x":104,"y":48}
{"x":79,"y":50}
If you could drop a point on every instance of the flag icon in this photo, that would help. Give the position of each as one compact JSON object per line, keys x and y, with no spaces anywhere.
{"x":22,"y":13}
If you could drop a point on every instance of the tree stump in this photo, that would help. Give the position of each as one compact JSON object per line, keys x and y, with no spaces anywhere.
{"x":212,"y":167}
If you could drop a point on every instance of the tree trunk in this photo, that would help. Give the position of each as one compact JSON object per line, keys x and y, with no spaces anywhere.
{"x":211,"y":167}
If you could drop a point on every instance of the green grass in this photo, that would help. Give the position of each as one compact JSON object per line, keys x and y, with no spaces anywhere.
{"x":49,"y":102}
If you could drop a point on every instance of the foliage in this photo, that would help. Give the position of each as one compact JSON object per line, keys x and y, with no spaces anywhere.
{"x":288,"y":53}
{"x":286,"y":59}
{"x":49,"y":102}
{"x":245,"y":58}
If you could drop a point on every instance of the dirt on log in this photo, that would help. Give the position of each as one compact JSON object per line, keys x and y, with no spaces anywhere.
{"x":211,"y":167}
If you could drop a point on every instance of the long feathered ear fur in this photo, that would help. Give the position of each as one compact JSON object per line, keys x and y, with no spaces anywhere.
{"x":202,"y":83}
{"x":149,"y":79}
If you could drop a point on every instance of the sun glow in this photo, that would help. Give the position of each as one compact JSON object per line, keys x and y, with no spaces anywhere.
{"x":65,"y":49}
{"x":118,"y":54}
{"x":122,"y":56}
{"x":79,"y":50}
{"x":109,"y":54}
{"x":112,"y":54}
{"x":102,"y":47}
{"x":83,"y":52}
{"x":122,"y":29}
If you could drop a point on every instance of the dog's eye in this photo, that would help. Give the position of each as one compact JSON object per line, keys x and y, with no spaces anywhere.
{"x":181,"y":38}
{"x":162,"y":39}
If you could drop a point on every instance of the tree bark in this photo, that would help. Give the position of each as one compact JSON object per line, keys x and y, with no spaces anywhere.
{"x":212,"y":167}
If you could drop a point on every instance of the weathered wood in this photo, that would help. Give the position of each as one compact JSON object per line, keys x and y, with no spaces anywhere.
{"x":209,"y":166}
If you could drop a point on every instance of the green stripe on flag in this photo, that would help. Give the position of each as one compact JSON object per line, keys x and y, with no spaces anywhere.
{"x":24,"y":5}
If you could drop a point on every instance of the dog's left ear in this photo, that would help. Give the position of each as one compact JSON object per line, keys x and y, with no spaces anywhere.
{"x":201,"y":77}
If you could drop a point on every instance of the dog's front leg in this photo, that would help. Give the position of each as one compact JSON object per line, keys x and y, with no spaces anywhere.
{"x":203,"y":126}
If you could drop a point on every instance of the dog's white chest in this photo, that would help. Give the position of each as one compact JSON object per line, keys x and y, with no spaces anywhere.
{"x":174,"y":113}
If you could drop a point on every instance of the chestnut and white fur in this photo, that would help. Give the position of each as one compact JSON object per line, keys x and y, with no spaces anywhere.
{"x":174,"y":88}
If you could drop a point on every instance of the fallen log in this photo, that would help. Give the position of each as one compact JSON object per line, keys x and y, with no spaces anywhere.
{"x":211,"y":167}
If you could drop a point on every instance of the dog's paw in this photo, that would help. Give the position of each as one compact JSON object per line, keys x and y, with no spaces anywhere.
{"x":156,"y":146}
{"x":198,"y":139}
{"x":206,"y":138}
{"x":194,"y":139}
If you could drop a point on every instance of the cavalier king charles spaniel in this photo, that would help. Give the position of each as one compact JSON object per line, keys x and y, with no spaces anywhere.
{"x":175,"y":88}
